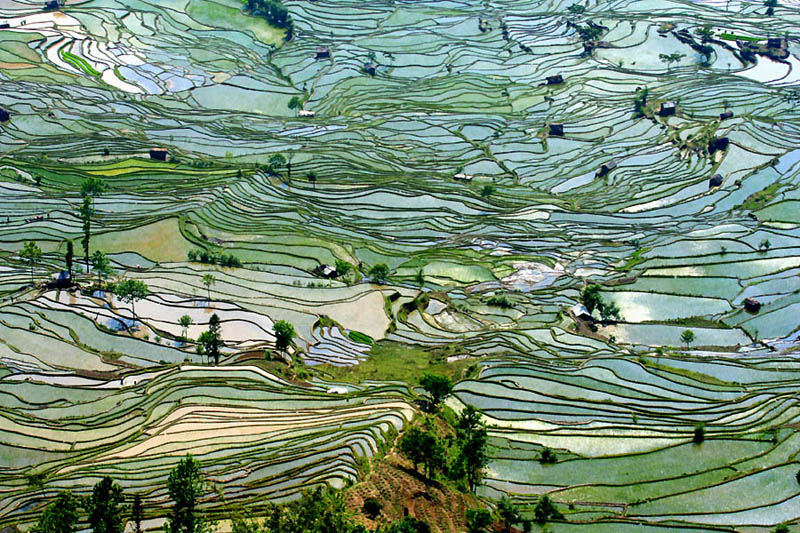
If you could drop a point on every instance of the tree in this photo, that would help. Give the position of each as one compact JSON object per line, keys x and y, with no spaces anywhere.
{"x":295,"y":102}
{"x":487,"y":190}
{"x":422,"y":447}
{"x":31,"y":254}
{"x":674,"y":57}
{"x":105,"y":507}
{"x":687,"y":337}
{"x":208,"y":281}
{"x":770,"y":5}
{"x":61,"y":516}
{"x":68,"y":257}
{"x":131,"y":291}
{"x":185,"y":485}
{"x":210,"y":341}
{"x":640,"y":102}
{"x":705,"y":32}
{"x":576,"y":9}
{"x":90,"y":188}
{"x":86,"y":213}
{"x":276,"y":161}
{"x":545,"y":510}
{"x":371,"y":508}
{"x":185,"y":321}
{"x":101,"y":266}
{"x":589,"y":33}
{"x":478,"y":520}
{"x":408,"y":524}
{"x":781,"y":528}
{"x":284,"y":333}
{"x":137,"y":513}
{"x":437,"y":387}
{"x":508,"y":513}
{"x":312,"y":178}
{"x":472,"y":437}
{"x":419,"y":277}
{"x":379,"y":273}
{"x":590,"y":297}
{"x":706,"y":51}
{"x":699,"y":433}
{"x":609,"y":312}
{"x":343,"y":268}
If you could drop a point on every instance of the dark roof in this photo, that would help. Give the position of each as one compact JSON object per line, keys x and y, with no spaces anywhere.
{"x":4,"y":115}
{"x":554,"y":80}
{"x":556,"y":129}
{"x":726,"y":114}
{"x":370,"y":68}
{"x":720,"y":143}
{"x":715,"y":181}
{"x":776,"y":42}
{"x":751,"y":304}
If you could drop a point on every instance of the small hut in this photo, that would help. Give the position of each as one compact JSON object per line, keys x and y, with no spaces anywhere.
{"x":323,"y":52}
{"x":752,"y":305}
{"x":370,"y":68}
{"x":305,"y":114}
{"x":462,"y":177}
{"x":777,"y":42}
{"x":715,"y":181}
{"x":580,"y":312}
{"x":51,"y":5}
{"x":606,"y":168}
{"x":726,"y":115}
{"x":555,"y":80}
{"x":4,"y":25}
{"x":557,"y":130}
{"x":159,"y":154}
{"x":5,"y":116}
{"x":667,"y":109}
{"x":720,"y":143}
{"x":327,"y":271}
{"x":62,"y":280}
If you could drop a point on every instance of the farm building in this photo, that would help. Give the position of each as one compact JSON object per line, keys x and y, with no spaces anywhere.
{"x":667,"y":109}
{"x":5,"y":116}
{"x":327,"y":271}
{"x":4,"y":25}
{"x":752,"y":305}
{"x":61,"y":280}
{"x":557,"y":130}
{"x":579,"y":311}
{"x":715,"y":181}
{"x":323,"y":52}
{"x":159,"y":154}
{"x":726,"y":115}
{"x":370,"y":68}
{"x":555,"y":80}
{"x":462,"y":177}
{"x":606,"y":168}
{"x":304,"y":113}
{"x":51,"y":5}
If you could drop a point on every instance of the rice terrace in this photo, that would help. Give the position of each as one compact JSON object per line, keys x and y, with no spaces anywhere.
{"x":399,"y":266}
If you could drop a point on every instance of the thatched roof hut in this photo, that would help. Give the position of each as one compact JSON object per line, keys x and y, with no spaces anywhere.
{"x":557,"y":129}
{"x":715,"y":181}
{"x":159,"y":154}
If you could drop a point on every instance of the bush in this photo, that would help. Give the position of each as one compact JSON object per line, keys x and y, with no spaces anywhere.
{"x":547,"y":457}
{"x":545,"y":510}
{"x":500,"y":300}
{"x":371,"y":508}
{"x":699,"y":434}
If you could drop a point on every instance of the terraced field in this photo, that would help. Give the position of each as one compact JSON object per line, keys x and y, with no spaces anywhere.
{"x":89,"y":388}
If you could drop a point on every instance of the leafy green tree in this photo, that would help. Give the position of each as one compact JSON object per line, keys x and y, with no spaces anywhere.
{"x":131,"y":291}
{"x":687,"y":337}
{"x":61,"y":516}
{"x":419,"y":277}
{"x":137,"y":513}
{"x":31,"y":254}
{"x":472,"y":437}
{"x":86,"y":212}
{"x":343,"y":268}
{"x":284,"y":333}
{"x":545,"y":510}
{"x":699,"y":433}
{"x":101,"y":266}
{"x":590,"y":297}
{"x":438,"y":388}
{"x":185,"y":486}
{"x":210,"y":341}
{"x":407,"y":525}
{"x":781,"y":528}
{"x":487,"y":190}
{"x":610,"y":311}
{"x":640,"y":102}
{"x":422,"y":447}
{"x":705,"y":32}
{"x":589,"y":33}
{"x":184,"y":321}
{"x":478,"y":520}
{"x":208,"y":281}
{"x":371,"y":508}
{"x":312,"y":178}
{"x":508,"y":513}
{"x":379,"y":273}
{"x":276,"y":161}
{"x":674,"y":57}
{"x":576,"y":9}
{"x":770,"y":5}
{"x":105,"y":507}
{"x":69,"y":256}
{"x":93,"y":187}
{"x":295,"y":102}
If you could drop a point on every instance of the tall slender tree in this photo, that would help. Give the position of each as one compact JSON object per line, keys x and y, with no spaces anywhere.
{"x":61,"y":516}
{"x":105,"y":507}
{"x":31,"y":254}
{"x":185,"y":486}
{"x":86,"y":213}
{"x":69,"y":256}
{"x":137,"y":513}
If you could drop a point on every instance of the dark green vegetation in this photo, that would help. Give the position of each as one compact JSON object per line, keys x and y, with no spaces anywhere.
{"x":219,"y":176}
